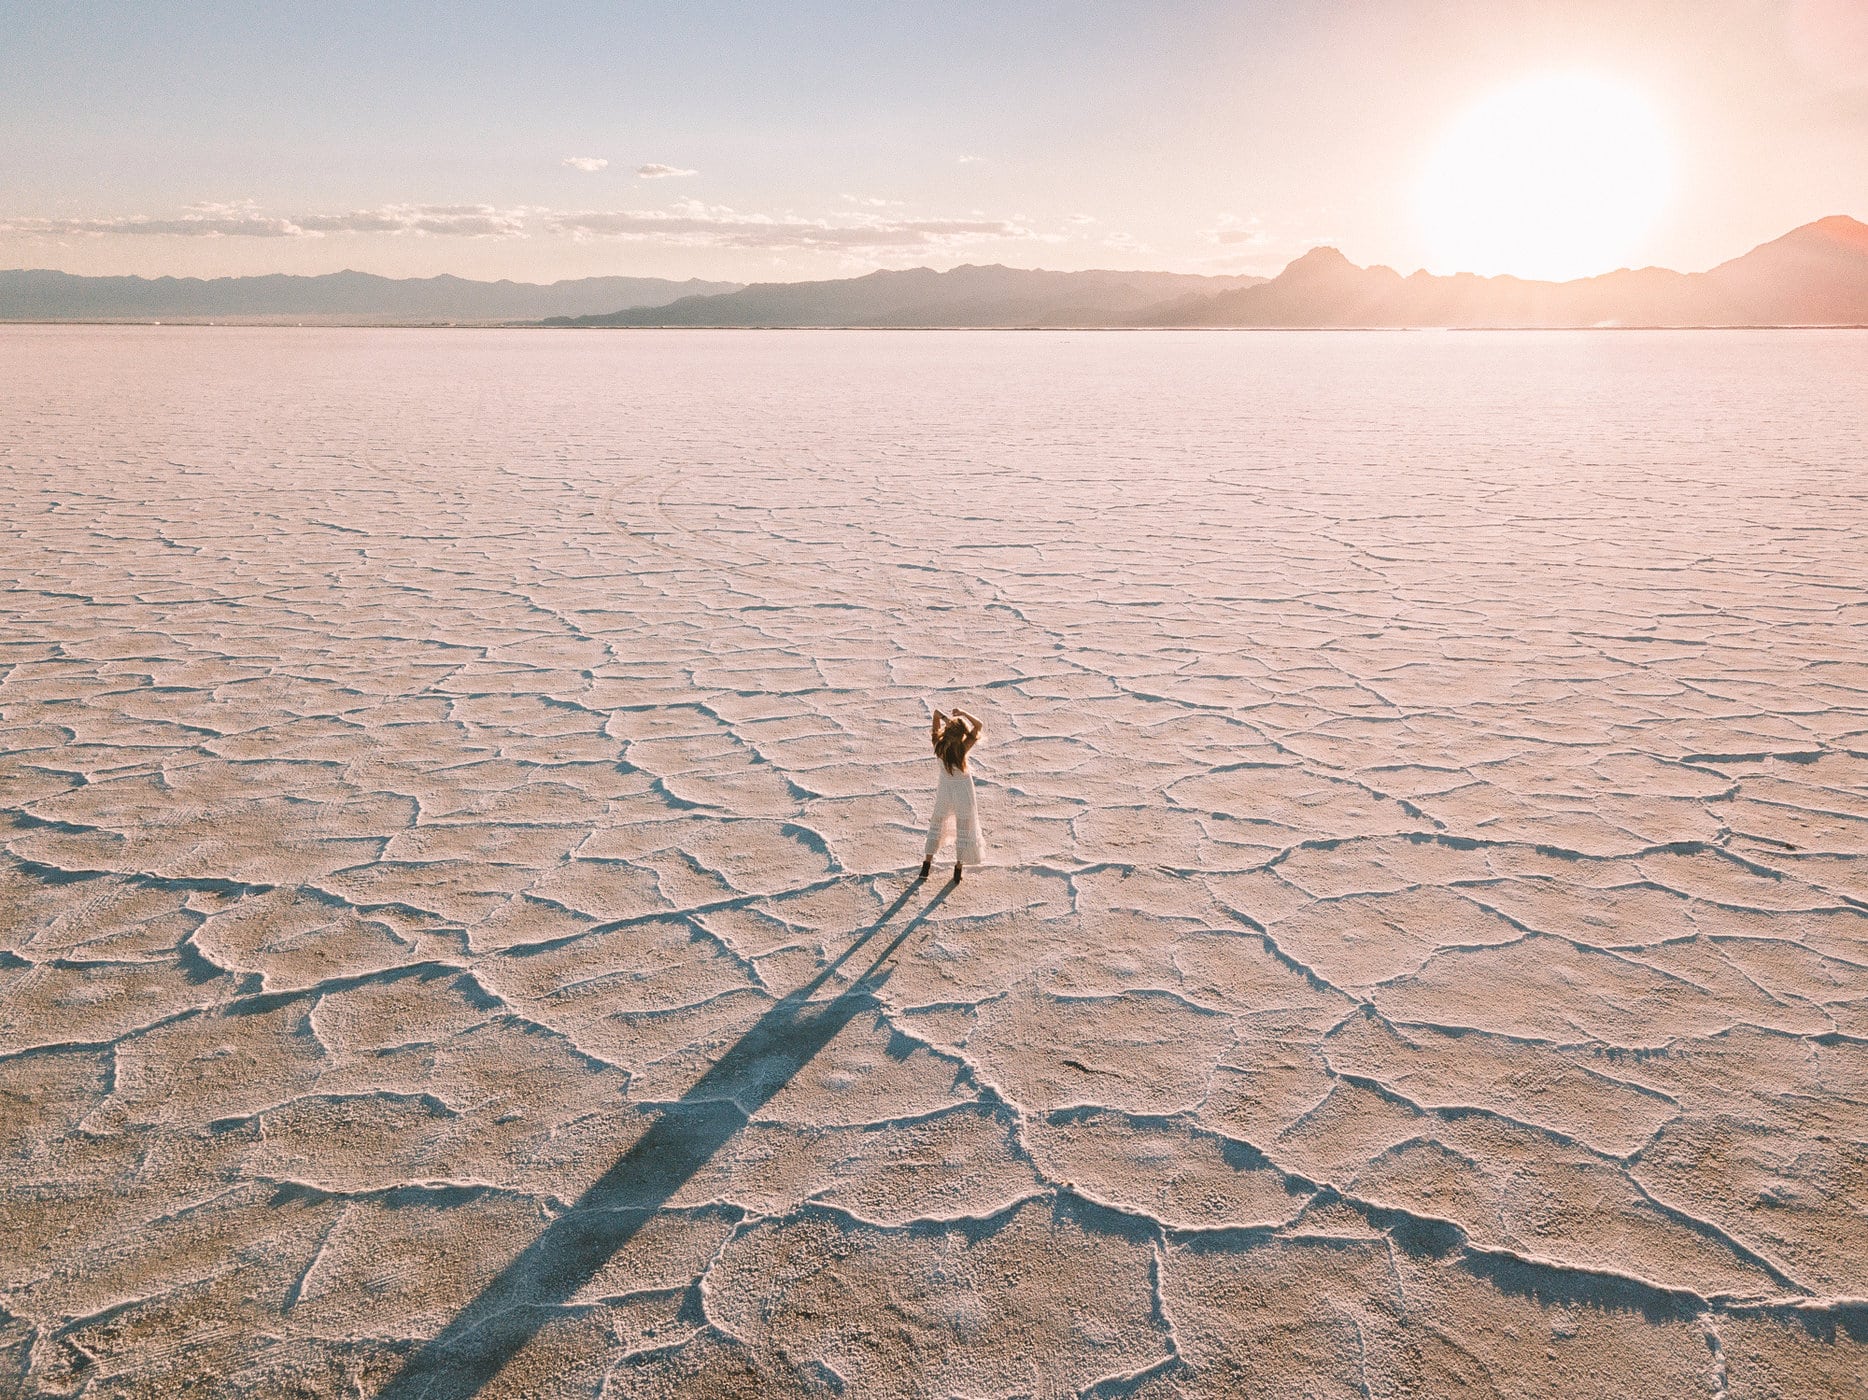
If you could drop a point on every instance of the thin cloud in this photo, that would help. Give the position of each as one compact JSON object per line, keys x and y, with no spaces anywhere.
{"x":437,"y":220}
{"x":243,"y":221}
{"x":1232,"y":231}
{"x":698,"y":225}
{"x":969,"y":160}
{"x":189,"y":226}
{"x":588,"y":164}
{"x":654,"y":170}
{"x":688,"y":223}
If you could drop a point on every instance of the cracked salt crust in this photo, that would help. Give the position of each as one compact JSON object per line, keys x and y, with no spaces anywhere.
{"x":460,"y":792}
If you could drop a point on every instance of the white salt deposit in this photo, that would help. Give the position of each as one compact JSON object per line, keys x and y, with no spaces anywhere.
{"x":461,"y":792}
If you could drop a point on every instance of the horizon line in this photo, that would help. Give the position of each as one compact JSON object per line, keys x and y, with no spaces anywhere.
{"x":933,"y":268}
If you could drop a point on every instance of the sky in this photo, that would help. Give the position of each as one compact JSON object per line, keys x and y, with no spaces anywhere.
{"x":782,"y":141}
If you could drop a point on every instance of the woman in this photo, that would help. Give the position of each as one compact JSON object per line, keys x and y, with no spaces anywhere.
{"x":953,"y":737}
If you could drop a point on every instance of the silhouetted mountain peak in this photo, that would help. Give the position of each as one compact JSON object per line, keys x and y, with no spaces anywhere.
{"x":1832,"y":237}
{"x":1837,"y":235}
{"x":1320,"y":261}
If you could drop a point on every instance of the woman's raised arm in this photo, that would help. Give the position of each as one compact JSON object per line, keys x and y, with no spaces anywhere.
{"x":974,"y":728}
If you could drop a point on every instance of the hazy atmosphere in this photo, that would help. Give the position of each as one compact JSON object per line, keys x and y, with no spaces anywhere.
{"x":749,"y":142}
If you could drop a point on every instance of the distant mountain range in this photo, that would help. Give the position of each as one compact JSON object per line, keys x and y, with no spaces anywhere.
{"x":965,"y":296}
{"x":1816,"y":275}
{"x":348,"y":297}
{"x":1813,"y":276}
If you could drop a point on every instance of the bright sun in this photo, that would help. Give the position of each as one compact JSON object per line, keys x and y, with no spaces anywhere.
{"x":1557,"y":176}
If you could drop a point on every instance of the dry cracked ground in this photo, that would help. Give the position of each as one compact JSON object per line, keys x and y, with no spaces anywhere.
{"x":460,"y":792}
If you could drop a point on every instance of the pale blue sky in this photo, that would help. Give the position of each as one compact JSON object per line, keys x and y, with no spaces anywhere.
{"x":829,"y":138}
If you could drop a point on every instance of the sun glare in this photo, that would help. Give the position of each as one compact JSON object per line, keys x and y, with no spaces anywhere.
{"x":1557,"y":176}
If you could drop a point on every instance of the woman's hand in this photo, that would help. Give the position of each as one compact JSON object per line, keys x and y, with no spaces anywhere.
{"x":973,"y":730}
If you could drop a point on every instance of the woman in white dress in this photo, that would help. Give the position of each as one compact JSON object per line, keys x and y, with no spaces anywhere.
{"x":953,"y":737}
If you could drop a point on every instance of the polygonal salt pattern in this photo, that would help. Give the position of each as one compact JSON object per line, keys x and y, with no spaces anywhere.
{"x":460,"y":794}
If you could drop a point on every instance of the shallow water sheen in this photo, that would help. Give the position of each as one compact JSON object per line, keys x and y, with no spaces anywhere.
{"x":461,"y":789}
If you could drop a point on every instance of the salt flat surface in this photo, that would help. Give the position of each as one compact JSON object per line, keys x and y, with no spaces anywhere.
{"x":460,"y":794}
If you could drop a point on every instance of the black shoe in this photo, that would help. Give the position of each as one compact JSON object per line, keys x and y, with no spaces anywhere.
{"x":926,"y":866}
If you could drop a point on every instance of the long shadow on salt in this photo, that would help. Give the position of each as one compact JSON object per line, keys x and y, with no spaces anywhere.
{"x":489,"y":1331}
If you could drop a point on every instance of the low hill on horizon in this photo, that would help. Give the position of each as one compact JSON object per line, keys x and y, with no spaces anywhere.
{"x":971,"y":295}
{"x":41,"y":295}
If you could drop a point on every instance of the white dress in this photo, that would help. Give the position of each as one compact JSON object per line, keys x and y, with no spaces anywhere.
{"x":953,"y":802}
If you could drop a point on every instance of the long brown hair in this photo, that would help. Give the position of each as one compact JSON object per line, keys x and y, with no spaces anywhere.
{"x":950,"y":748}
